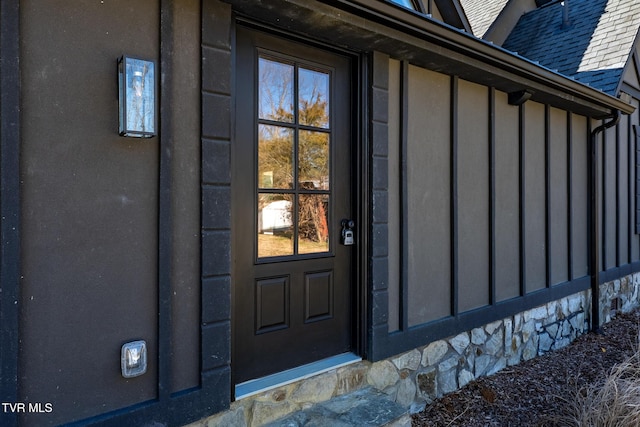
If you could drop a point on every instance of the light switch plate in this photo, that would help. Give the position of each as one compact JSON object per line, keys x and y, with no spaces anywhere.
{"x":134,"y":359}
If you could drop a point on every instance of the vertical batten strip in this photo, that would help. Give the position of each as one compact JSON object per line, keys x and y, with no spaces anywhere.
{"x":454,"y":195}
{"x":570,"y":196}
{"x":523,"y":243}
{"x":590,"y":174}
{"x":603,"y":203}
{"x":618,"y":201}
{"x":492,"y":195}
{"x":404,"y":203}
{"x":547,"y":191}
{"x":630,"y":172}
{"x":165,"y":223}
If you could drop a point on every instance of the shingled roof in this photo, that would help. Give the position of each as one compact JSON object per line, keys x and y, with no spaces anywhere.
{"x":482,"y":13}
{"x":592,"y":49}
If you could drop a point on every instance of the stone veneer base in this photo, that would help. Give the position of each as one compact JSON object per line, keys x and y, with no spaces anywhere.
{"x":415,"y":378}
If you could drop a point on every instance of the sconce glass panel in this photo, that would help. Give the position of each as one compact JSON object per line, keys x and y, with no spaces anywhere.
{"x":136,"y":81}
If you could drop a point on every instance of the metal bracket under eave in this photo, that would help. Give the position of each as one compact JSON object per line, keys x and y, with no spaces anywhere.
{"x":520,"y":97}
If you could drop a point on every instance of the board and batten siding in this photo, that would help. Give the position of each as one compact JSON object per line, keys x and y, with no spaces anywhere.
{"x":533,"y":192}
{"x":579,"y":207}
{"x":489,"y":204}
{"x":473,"y":196}
{"x":507,"y":200}
{"x":559,"y":191}
{"x":428,"y":184}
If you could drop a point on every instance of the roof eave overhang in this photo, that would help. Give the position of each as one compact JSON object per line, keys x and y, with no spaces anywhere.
{"x":374,"y":25}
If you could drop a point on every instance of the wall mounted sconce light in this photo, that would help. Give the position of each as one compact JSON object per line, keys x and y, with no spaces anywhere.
{"x":136,"y":97}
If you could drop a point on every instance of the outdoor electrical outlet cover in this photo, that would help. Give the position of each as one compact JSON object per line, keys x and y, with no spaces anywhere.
{"x":134,"y":359}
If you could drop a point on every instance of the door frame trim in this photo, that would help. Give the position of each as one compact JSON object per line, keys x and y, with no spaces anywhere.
{"x":359,"y":76}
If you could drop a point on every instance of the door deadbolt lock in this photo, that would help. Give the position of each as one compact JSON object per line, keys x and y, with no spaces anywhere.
{"x":346,"y":237}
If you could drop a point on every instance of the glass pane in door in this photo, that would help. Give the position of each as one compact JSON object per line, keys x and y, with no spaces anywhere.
{"x":294,"y":132}
{"x":313,"y":220}
{"x":275,"y":157}
{"x":275,"y":225}
{"x":313,"y":98}
{"x":313,"y":160}
{"x":275,"y":94}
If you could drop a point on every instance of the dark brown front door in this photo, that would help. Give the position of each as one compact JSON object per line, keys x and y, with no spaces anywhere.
{"x":292,"y":188}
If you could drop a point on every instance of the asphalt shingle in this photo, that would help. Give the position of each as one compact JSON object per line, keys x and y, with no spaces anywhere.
{"x":592,"y":49}
{"x":482,"y":13}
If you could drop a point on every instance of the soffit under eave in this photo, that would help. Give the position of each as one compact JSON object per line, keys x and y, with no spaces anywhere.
{"x":371,"y":25}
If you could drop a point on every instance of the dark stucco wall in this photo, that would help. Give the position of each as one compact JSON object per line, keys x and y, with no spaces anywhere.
{"x":90,"y":210}
{"x":124,"y":239}
{"x":111,"y":248}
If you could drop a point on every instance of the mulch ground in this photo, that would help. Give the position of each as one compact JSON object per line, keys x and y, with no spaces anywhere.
{"x":536,"y":392}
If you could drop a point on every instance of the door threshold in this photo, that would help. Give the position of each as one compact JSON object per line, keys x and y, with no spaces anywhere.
{"x":252,"y":387}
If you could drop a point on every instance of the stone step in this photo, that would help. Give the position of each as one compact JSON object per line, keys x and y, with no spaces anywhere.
{"x":362,"y":408}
